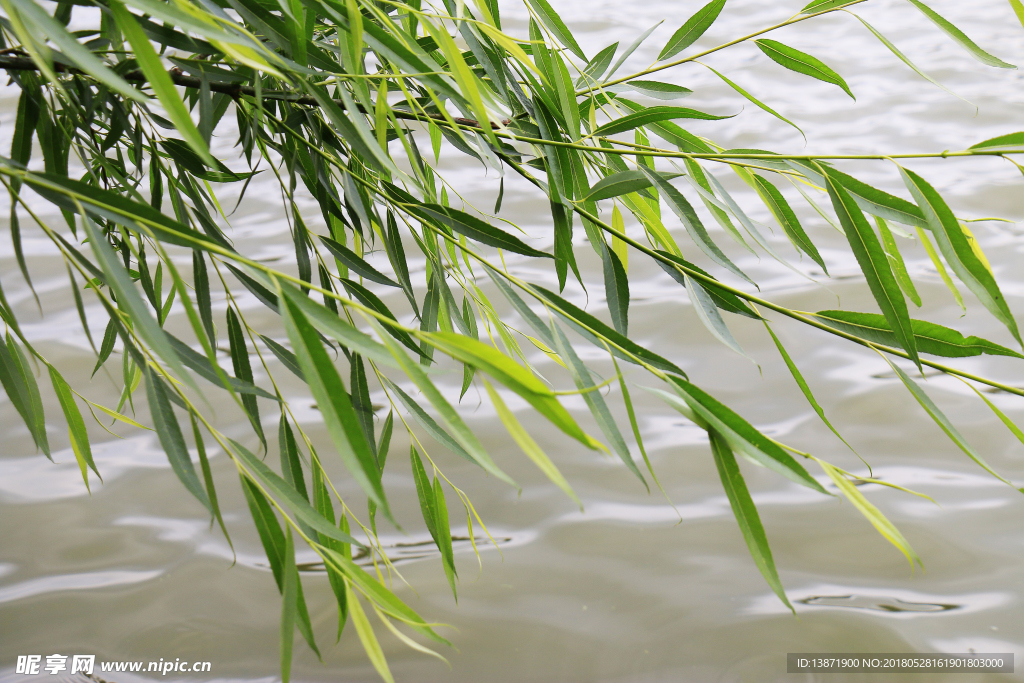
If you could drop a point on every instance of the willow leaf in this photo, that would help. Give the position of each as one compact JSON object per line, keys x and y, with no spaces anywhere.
{"x":940,"y":419}
{"x":554,"y":23}
{"x":961,"y":39}
{"x":906,"y":60}
{"x":801,"y":62}
{"x":623,"y":182}
{"x":171,"y":440}
{"x":512,"y":375}
{"x":652,"y":115}
{"x":871,"y":513}
{"x":875,"y":265}
{"x":745,"y":512}
{"x":693,"y":29}
{"x":757,"y":102}
{"x":286,"y":492}
{"x":930,"y":337}
{"x":595,"y":401}
{"x":958,"y":251}
{"x":658,"y":90}
{"x":899,"y":268}
{"x":160,"y":80}
{"x":530,"y":447}
{"x":742,"y":435}
{"x":688,"y":217}
{"x":592,"y":328}
{"x":804,"y":387}
{"x":710,"y":317}
{"x":76,"y":425}
{"x":787,"y":219}
{"x":460,"y":431}
{"x":352,"y":260}
{"x":475,"y":229}
{"x":335,"y":405}
{"x":1011,"y":141}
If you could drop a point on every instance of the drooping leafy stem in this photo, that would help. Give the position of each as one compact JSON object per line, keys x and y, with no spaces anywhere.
{"x":320,"y":90}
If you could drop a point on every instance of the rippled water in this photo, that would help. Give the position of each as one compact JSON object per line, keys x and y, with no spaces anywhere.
{"x":632,"y":589}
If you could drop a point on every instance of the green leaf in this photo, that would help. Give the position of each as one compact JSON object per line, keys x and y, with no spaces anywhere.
{"x":595,"y":401}
{"x":20,"y":385}
{"x":384,"y":598}
{"x":930,"y":338}
{"x":76,"y":425}
{"x":709,"y":316}
{"x":616,"y":288}
{"x":512,"y":375}
{"x":757,"y":102}
{"x":933,"y":255}
{"x":684,"y":211}
{"x":875,"y":266}
{"x":160,"y":80}
{"x":289,"y":604}
{"x":906,"y":60}
{"x":462,"y":433}
{"x":427,"y":422}
{"x":870,"y":199}
{"x":368,"y":639}
{"x":823,"y":5}
{"x":650,"y":115}
{"x":285,"y":491}
{"x":596,"y":67}
{"x":335,"y":405}
{"x":74,"y":50}
{"x":128,"y":298}
{"x":526,"y":442}
{"x":693,"y":29}
{"x":724,"y":299}
{"x":801,"y":62}
{"x":940,"y":419}
{"x":802,"y":383}
{"x":444,"y":536}
{"x":243,"y":371}
{"x":424,"y":492}
{"x":215,"y":375}
{"x":474,"y":228}
{"x":350,"y":259}
{"x":960,"y":38}
{"x":658,"y":90}
{"x":632,"y":48}
{"x":899,"y":268}
{"x":958,"y":251}
{"x":622,"y":183}
{"x":745,"y":511}
{"x":1010,"y":141}
{"x":268,"y":528}
{"x":171,"y":440}
{"x":555,"y":24}
{"x":1018,"y":9}
{"x":592,"y":328}
{"x":787,"y":219}
{"x":741,"y":434}
{"x":873,"y":514}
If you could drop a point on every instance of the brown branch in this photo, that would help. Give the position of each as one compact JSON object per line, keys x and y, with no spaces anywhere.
{"x":235,"y":90}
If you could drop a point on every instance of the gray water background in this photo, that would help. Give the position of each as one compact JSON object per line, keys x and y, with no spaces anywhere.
{"x":632,"y":589}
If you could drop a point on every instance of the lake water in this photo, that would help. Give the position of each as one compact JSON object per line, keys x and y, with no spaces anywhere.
{"x":632,"y":589}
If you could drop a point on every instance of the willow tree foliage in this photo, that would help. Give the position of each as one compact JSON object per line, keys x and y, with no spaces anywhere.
{"x":348,"y":105}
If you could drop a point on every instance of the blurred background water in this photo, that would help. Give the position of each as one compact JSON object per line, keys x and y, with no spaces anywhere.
{"x":631,"y":589}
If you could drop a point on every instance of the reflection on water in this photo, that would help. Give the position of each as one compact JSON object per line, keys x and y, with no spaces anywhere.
{"x":876,"y":603}
{"x":635,"y":588}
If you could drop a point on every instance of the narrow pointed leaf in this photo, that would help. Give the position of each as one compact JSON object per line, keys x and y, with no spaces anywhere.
{"x":961,"y":38}
{"x":875,"y":266}
{"x":801,"y":62}
{"x":693,"y":29}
